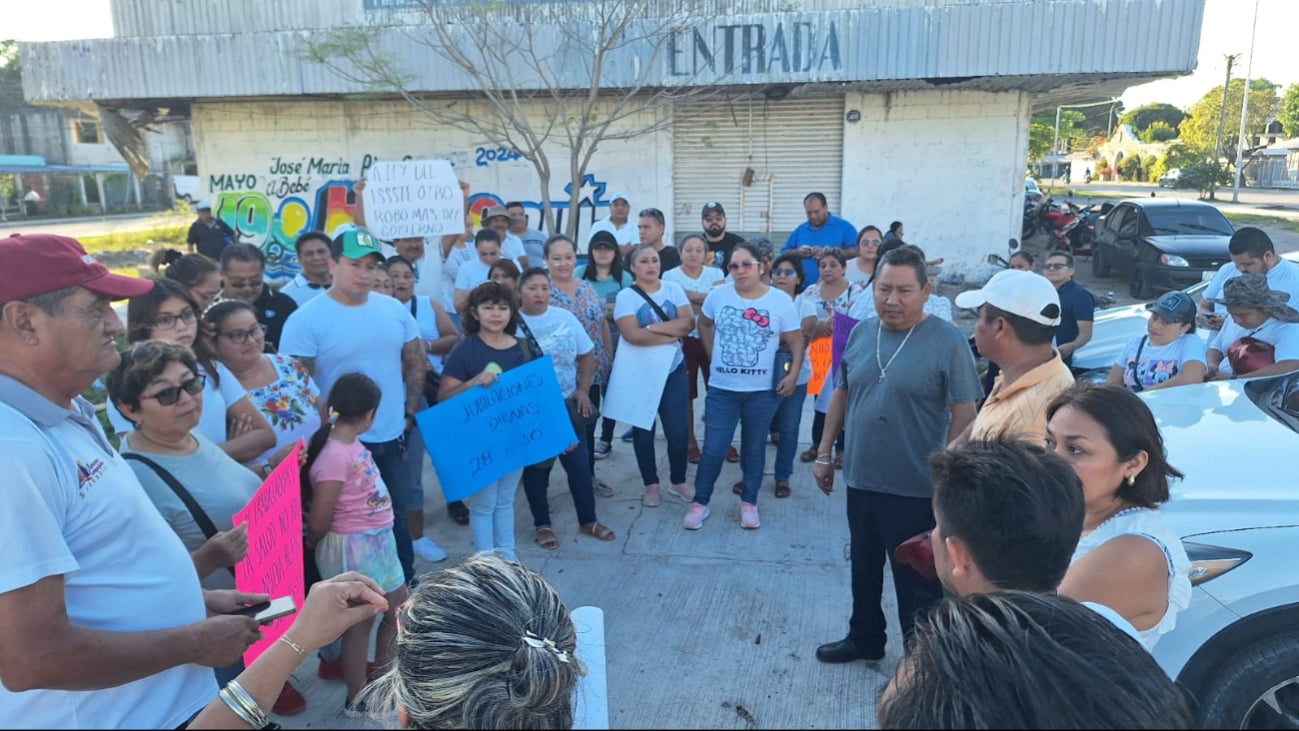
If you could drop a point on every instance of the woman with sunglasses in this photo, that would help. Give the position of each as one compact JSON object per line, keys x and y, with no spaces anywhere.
{"x":278,"y":386}
{"x":230,"y":420}
{"x":743,"y":326}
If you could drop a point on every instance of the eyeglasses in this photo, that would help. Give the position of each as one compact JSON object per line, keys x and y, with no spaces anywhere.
{"x":239,"y":337}
{"x":1057,"y":265}
{"x":736,"y":266}
{"x":782,"y":272}
{"x":653,"y":213}
{"x":169,"y":396}
{"x":167,"y":321}
{"x":714,"y":218}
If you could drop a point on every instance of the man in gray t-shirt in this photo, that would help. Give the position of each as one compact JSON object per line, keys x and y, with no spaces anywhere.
{"x":905,"y":387}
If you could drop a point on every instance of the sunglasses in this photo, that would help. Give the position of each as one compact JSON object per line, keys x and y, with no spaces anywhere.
{"x":1057,"y":265}
{"x":782,"y":272}
{"x":169,"y":396}
{"x":736,"y":266}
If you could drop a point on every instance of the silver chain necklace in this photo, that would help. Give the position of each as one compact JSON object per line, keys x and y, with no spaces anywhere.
{"x":884,"y":367}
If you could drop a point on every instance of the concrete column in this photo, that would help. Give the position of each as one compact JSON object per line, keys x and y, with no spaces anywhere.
{"x":81,"y":189}
{"x":18,"y":194}
{"x":135,"y":183}
{"x":103,"y":200}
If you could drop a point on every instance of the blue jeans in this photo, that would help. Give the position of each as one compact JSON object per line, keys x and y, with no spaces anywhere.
{"x":788,"y":419}
{"x":577,"y":463}
{"x":672,"y":412}
{"x":753,"y":411}
{"x":394,"y":467}
{"x":491,"y":516}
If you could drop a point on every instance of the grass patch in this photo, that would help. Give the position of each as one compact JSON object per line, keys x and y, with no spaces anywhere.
{"x":1251,"y":219}
{"x":172,"y":236}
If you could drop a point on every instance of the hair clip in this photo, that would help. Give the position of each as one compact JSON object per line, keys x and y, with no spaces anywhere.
{"x":532,"y":640}
{"x":333,"y":417}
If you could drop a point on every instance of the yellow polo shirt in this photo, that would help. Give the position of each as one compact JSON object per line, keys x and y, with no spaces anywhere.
{"x":1018,"y":409}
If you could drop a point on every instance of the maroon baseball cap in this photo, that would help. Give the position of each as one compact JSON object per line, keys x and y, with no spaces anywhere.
{"x":40,"y":263}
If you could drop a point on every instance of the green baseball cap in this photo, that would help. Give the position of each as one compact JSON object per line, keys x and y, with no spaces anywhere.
{"x":355,"y":243}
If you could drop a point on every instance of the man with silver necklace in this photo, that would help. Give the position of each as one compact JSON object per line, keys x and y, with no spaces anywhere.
{"x":906,"y":386}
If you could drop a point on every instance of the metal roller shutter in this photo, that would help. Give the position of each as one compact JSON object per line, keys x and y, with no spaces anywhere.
{"x":792,"y":146}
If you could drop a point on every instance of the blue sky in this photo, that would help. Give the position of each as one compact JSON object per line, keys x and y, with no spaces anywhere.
{"x":1226,"y":30}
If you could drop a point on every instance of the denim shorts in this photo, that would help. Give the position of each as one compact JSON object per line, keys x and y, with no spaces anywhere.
{"x":371,"y":553}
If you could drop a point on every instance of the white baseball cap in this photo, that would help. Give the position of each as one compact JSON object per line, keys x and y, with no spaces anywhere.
{"x":202,"y":206}
{"x":1021,"y":293}
{"x":620,"y":197}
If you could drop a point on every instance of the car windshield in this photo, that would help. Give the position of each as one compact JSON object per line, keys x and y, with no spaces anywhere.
{"x":1188,"y":220}
{"x":1278,"y":397}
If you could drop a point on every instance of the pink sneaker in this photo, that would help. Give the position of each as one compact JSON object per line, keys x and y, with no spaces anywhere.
{"x":694,"y":519}
{"x":749,"y":516}
{"x":683,"y":492}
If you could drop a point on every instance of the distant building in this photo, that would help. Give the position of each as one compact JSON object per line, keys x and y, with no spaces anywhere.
{"x":895,"y":109}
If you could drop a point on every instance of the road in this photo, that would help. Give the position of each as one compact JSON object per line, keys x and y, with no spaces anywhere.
{"x":98,"y":226}
{"x":1255,"y":201}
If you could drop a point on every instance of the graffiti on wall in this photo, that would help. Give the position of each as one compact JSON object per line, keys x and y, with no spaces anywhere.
{"x":271,"y":208}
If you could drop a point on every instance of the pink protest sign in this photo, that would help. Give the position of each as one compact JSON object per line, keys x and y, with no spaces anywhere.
{"x":274,"y":562}
{"x":843,"y":326}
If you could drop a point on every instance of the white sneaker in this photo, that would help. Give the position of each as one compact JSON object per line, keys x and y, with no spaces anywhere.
{"x":694,"y":519}
{"x":602,"y":449}
{"x":426,"y":549}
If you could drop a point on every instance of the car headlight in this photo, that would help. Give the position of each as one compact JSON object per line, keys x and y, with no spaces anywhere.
{"x":1173,"y":260}
{"x":1209,"y":562}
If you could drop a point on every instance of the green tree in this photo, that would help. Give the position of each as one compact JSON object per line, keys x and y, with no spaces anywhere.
{"x":1148,"y":168}
{"x":1158,"y":169}
{"x":11,"y":78}
{"x":1041,"y":132}
{"x":1200,"y":128}
{"x":1288,"y":114}
{"x":1158,"y":131}
{"x":1130,"y":168}
{"x":1143,"y":116}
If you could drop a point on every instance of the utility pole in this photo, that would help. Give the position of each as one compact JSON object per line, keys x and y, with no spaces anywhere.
{"x":1222,"y":119}
{"x":1055,"y":148}
{"x":1244,"y":108}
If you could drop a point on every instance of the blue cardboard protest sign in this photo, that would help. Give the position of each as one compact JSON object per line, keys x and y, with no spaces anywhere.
{"x":484,"y":434}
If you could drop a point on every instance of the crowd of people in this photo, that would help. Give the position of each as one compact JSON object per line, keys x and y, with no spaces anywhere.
{"x":1031,"y":501}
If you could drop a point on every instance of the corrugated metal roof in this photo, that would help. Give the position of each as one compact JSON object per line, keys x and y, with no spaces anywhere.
{"x":939,"y":42}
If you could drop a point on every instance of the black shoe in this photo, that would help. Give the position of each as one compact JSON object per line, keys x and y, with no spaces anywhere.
{"x":459,"y":512}
{"x":846,"y":650}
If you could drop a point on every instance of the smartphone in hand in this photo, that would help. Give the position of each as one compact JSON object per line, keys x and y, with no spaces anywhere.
{"x":268,"y":612}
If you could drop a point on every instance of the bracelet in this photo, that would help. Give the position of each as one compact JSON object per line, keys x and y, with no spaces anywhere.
{"x":823,"y":455}
{"x":296,"y":647}
{"x":252,"y":713}
{"x":823,"y":463}
{"x":229,"y":699}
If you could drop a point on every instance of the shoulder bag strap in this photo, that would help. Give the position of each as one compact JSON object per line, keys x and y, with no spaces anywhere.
{"x":529,"y":341}
{"x":657,"y":310}
{"x":1136,"y":363}
{"x":195,"y":510}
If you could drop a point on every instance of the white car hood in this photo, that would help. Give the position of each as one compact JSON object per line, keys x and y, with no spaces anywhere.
{"x":1238,"y":459}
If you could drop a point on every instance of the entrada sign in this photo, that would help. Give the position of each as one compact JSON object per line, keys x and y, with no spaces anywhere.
{"x":774,"y":47}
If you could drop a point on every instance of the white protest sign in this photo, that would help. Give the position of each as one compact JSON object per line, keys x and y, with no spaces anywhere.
{"x":409,"y":198}
{"x":636,"y":383}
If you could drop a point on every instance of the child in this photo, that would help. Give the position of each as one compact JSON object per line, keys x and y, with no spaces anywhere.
{"x":488,"y":349}
{"x":349,"y":520}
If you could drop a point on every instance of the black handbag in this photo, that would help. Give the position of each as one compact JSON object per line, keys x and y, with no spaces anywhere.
{"x":783,"y":364}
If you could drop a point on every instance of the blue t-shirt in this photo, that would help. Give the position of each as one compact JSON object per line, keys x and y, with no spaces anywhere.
{"x":834,"y":232}
{"x":1076,"y":305}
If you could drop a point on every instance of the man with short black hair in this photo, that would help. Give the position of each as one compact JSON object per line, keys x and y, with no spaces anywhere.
{"x":720,"y":241}
{"x":312,"y":249}
{"x":242,"y":268}
{"x":1077,"y":305}
{"x":651,"y":227}
{"x":905,"y":387}
{"x":534,"y":241}
{"x":1018,"y":316}
{"x":822,"y":229}
{"x":498,"y":219}
{"x":207,"y":235}
{"x":1252,"y":252}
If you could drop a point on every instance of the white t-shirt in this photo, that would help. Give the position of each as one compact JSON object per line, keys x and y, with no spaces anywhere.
{"x":367,"y":339}
{"x":747,"y":336}
{"x":704,"y":284}
{"x":670,"y":298}
{"x":561,"y":336}
{"x":1283,"y":277}
{"x":512,"y":248}
{"x":806,"y":308}
{"x":1116,"y":619}
{"x":471,"y":274}
{"x":74,"y":508}
{"x":456,"y":258}
{"x":627,"y":235}
{"x":1158,"y":363}
{"x":1283,"y":336}
{"x":300,"y":289}
{"x":853,"y":273}
{"x":217,"y":401}
{"x":427,"y":268}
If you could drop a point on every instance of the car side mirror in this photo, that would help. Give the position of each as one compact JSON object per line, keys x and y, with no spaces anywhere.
{"x":997,"y":261}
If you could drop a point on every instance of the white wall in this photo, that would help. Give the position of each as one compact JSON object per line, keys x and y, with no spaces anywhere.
{"x":320,"y":148}
{"x":948,"y":164}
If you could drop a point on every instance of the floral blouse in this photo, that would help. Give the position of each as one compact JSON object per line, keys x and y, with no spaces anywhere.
{"x":289,"y":403}
{"x":841,"y":304}
{"x":589,"y":308}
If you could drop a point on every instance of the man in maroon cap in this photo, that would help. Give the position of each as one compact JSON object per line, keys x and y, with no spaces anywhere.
{"x":102,"y":619}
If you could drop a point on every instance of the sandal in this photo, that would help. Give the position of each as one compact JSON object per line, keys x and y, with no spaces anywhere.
{"x":599,"y":531}
{"x":693,"y":455}
{"x":782,"y":488}
{"x":652,"y":498}
{"x":733,"y":455}
{"x":602,"y":489}
{"x":808,"y":455}
{"x":738,"y":488}
{"x":546,"y":538}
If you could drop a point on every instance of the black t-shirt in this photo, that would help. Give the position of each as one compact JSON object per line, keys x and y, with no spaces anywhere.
{"x":272,"y":309}
{"x":721,"y":250}
{"x":210,"y":240}
{"x":1076,"y":305}
{"x":471,"y":355}
{"x":669,"y":258}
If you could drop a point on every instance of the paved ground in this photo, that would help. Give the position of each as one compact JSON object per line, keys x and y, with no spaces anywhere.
{"x":708,"y":629}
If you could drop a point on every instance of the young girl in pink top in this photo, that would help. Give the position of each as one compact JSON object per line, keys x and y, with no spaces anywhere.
{"x":349,"y":521}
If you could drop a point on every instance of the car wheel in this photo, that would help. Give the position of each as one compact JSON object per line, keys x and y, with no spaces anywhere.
{"x":1256,"y":688}
{"x":1139,"y":284}
{"x":1100,"y":268}
{"x":1085,"y":244}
